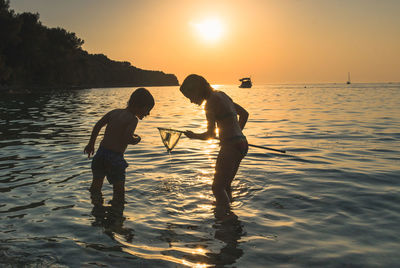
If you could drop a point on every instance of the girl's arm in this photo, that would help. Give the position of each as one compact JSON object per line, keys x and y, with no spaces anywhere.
{"x":209,"y":134}
{"x":243,"y":115}
{"x":89,"y":149}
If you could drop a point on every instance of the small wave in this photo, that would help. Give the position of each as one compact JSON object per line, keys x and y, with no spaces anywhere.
{"x":31,"y":205}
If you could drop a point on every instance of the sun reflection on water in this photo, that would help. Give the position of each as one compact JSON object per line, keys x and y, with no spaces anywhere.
{"x":149,"y":252}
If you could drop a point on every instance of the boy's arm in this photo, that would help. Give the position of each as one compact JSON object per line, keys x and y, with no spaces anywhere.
{"x":89,"y":149}
{"x":129,"y":136}
{"x":243,"y":115}
{"x":210,"y":133}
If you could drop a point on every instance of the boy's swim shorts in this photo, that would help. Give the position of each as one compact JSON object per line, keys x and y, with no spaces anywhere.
{"x":110,"y":164}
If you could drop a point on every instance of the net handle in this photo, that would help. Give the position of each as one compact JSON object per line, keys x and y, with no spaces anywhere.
{"x":252,"y":145}
{"x":180,"y":131}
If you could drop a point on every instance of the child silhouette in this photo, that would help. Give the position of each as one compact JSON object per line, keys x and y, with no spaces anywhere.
{"x":221,"y":112}
{"x":109,"y":159}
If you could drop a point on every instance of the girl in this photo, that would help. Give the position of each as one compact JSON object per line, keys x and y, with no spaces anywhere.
{"x":222,"y":112}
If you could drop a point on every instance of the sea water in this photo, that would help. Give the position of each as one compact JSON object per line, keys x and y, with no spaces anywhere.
{"x":333,"y":200}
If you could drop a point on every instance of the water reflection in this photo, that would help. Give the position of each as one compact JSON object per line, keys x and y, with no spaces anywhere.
{"x":228,"y":229}
{"x":111,"y":217}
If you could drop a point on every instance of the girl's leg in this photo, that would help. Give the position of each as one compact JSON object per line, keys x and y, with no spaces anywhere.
{"x":228,"y":187}
{"x":225,"y":170}
{"x":241,"y":147}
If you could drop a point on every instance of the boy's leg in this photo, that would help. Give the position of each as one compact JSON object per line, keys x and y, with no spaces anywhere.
{"x":97,"y":184}
{"x":118,"y":201}
{"x":95,"y":191}
{"x":116,"y":176}
{"x":119,"y":191}
{"x":98,"y":173}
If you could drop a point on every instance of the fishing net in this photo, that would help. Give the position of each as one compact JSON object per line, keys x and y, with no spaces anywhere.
{"x":169,"y":137}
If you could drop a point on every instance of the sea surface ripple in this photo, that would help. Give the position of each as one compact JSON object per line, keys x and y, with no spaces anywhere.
{"x":333,"y":200}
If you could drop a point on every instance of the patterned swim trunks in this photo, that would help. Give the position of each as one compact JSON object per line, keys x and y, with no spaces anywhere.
{"x":110,"y":164}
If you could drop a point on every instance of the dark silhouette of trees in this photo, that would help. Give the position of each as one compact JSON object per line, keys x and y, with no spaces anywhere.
{"x":35,"y":56}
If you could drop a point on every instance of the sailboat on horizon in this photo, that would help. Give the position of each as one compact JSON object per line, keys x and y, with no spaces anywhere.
{"x":348,"y":78}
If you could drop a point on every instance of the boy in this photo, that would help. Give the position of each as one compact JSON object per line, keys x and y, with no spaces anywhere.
{"x":109,"y":159}
{"x":223,"y":112}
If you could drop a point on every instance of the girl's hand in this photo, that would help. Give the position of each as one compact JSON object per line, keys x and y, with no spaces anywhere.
{"x":89,"y":150}
{"x":189,"y":134}
{"x":135,"y":139}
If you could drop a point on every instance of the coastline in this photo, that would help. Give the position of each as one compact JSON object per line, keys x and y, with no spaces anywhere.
{"x":36,"y":89}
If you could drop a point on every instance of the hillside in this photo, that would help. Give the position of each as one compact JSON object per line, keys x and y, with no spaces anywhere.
{"x":35,"y":56}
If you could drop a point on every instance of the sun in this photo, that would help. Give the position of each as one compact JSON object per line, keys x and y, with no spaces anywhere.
{"x":210,"y":29}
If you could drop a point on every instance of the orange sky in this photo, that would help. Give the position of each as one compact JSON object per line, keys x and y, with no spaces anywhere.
{"x":273,"y":41}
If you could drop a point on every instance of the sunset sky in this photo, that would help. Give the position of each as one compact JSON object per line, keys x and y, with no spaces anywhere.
{"x":273,"y":41}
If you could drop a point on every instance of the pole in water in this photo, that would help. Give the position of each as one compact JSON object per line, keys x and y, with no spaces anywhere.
{"x":267,"y":148}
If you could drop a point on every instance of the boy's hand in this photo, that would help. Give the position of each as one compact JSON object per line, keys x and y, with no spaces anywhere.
{"x":189,"y":134}
{"x":135,"y":139}
{"x":89,"y":150}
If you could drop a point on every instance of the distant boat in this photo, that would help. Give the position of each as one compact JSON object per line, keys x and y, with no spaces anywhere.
{"x":246,"y":82}
{"x":348,"y":79}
